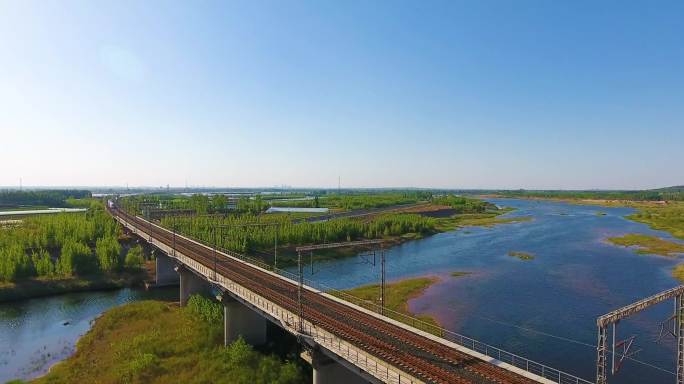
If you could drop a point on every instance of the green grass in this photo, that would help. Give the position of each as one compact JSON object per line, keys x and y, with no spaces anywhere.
{"x":678,"y":272}
{"x":397,"y":295}
{"x":648,"y":244}
{"x":156,"y":342}
{"x":521,"y":255}
{"x":665,"y":217}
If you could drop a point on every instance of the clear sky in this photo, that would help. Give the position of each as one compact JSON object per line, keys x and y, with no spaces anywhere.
{"x":463,"y":94}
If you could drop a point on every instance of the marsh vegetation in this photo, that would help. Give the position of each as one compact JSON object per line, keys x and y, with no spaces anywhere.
{"x":159,"y":342}
{"x":645,"y":244}
{"x":63,"y":252}
{"x":397,"y":295}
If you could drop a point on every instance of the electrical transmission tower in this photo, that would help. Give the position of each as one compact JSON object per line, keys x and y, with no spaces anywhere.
{"x":622,"y":349}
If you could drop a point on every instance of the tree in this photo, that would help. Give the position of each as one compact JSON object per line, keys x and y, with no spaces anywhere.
{"x":219,"y":203}
{"x":76,"y":258}
{"x":134,"y":258}
{"x":200,"y":203}
{"x":258,"y":203}
{"x":108,"y":251}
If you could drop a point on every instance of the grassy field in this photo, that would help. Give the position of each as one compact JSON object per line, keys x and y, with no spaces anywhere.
{"x":521,"y":255}
{"x":665,"y":217}
{"x":397,"y":295}
{"x":648,"y":244}
{"x":156,"y":342}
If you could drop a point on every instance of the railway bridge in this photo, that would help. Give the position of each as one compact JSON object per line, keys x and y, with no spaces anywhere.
{"x":344,"y":342}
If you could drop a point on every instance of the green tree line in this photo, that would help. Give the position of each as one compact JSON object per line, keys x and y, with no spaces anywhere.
{"x":349,"y":201}
{"x":63,"y":245}
{"x":463,"y":204}
{"x":237,"y":233}
{"x":205,"y":204}
{"x":51,"y":198}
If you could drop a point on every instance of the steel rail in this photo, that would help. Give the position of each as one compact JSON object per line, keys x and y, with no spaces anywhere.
{"x":425,"y":358}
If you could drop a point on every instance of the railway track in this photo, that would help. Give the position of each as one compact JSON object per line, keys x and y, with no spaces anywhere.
{"x":422,"y":357}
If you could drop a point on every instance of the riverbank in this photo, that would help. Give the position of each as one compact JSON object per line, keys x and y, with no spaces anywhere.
{"x":46,"y":255}
{"x":42,"y":287}
{"x":663,"y":215}
{"x":158,"y":342}
{"x":397,"y":296}
{"x":288,"y":257}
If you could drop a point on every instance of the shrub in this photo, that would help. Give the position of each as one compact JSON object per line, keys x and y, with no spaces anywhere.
{"x":206,"y":309}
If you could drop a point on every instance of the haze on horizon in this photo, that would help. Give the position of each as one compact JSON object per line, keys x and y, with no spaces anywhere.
{"x":480,"y":94}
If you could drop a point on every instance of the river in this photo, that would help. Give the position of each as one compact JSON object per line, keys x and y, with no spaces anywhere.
{"x":544,"y":309}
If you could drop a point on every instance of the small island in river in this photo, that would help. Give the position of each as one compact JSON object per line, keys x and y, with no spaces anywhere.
{"x":646,"y":244}
{"x":521,"y":255}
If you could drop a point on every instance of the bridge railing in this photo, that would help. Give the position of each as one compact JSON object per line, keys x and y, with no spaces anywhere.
{"x":502,"y":355}
{"x":371,"y":364}
{"x":349,"y":352}
{"x":513,"y":359}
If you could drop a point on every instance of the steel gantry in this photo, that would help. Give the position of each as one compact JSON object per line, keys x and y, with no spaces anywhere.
{"x":311,"y":248}
{"x":613,"y":318}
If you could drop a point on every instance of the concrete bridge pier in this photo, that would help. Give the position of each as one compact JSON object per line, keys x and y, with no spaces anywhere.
{"x":328,"y":371}
{"x":165,"y":270}
{"x":241,"y":321}
{"x":190,"y":284}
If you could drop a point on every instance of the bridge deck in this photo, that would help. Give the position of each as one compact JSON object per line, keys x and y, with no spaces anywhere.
{"x":420,"y":356}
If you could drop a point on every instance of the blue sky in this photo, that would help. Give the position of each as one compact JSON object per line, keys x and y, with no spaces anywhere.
{"x":462,"y":94}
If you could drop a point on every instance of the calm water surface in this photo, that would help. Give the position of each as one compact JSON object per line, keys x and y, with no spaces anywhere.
{"x":34,"y":334}
{"x":544,"y":309}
